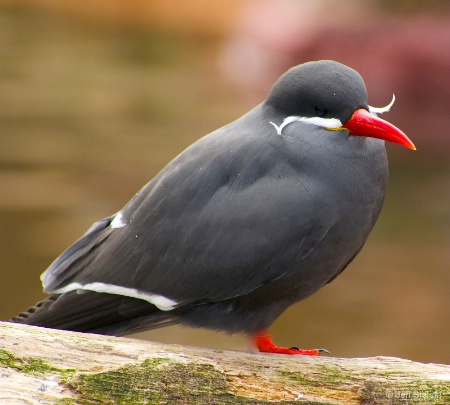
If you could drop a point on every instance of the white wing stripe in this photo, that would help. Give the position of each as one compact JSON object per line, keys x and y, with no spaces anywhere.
{"x":159,"y":301}
{"x":118,"y":221}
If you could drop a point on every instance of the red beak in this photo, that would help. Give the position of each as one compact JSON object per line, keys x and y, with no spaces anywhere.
{"x":363,"y":123}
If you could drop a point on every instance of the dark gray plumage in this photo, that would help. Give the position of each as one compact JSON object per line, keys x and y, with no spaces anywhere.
{"x":245,"y":222}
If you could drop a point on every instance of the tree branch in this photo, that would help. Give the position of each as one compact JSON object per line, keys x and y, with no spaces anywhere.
{"x":48,"y":366}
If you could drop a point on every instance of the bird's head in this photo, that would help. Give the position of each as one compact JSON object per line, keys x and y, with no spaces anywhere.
{"x":331,"y":95}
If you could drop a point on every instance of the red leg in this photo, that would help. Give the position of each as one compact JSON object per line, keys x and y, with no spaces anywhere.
{"x":264,"y":344}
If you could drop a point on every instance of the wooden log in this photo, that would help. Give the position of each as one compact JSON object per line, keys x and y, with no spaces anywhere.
{"x":45,"y":366}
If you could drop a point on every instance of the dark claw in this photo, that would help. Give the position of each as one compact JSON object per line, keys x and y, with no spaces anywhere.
{"x":294,"y":348}
{"x":324,"y":351}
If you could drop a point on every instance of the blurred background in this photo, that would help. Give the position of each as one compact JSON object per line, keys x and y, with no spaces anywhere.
{"x":97,"y":96}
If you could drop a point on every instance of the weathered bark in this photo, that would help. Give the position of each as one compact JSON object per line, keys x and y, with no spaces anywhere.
{"x":44,"y":366}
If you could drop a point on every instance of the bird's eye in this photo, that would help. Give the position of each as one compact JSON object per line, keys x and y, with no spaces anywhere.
{"x":321,"y":111}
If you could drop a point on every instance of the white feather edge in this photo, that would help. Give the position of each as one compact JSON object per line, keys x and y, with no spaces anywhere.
{"x":381,"y":110}
{"x":118,"y":221}
{"x":330,"y":123}
{"x":159,"y":301}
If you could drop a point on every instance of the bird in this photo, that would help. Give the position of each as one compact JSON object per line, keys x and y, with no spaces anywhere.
{"x":247,"y":221}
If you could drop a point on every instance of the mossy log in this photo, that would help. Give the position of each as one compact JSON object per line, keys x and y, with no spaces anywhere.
{"x":44,"y":366}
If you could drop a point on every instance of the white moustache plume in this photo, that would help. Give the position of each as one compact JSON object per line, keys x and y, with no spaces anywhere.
{"x":381,"y":110}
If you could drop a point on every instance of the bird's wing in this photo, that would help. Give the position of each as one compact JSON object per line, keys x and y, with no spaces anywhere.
{"x":209,"y":227}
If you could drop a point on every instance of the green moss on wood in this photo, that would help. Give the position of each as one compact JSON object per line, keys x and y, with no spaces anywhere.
{"x":179,"y":381}
{"x":411,"y":392}
{"x":322,"y":377}
{"x":156,"y":381}
{"x":325,"y":379}
{"x":31,"y":365}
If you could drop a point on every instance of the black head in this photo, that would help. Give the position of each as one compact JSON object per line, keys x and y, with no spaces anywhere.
{"x":324,"y":89}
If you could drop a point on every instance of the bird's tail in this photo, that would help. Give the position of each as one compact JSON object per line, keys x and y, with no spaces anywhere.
{"x":87,"y":311}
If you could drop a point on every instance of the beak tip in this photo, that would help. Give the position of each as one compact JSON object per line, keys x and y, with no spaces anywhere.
{"x":410,"y":145}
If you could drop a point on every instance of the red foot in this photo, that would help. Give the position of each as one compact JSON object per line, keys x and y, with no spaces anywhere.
{"x":264,"y":344}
